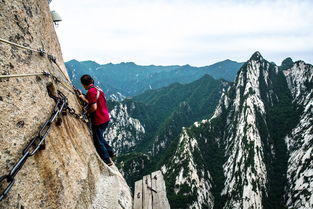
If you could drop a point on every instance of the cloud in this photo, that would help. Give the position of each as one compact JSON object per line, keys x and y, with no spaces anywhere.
{"x":197,"y":32}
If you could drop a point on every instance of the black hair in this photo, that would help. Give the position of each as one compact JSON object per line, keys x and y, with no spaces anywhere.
{"x":86,"y":80}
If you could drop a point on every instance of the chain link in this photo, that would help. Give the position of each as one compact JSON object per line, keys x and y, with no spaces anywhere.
{"x":37,"y":142}
{"x":82,"y":116}
{"x":10,"y":183}
{"x":34,"y":145}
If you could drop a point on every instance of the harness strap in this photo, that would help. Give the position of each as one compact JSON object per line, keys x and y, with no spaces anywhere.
{"x":98,"y":92}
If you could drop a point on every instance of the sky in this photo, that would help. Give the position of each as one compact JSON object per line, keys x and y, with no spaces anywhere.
{"x":178,"y":32}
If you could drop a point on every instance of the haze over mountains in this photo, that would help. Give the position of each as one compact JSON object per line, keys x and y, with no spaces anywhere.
{"x":128,"y":79}
{"x":220,"y":144}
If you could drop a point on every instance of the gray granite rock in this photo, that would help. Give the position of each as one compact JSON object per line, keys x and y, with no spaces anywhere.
{"x":68,"y":173}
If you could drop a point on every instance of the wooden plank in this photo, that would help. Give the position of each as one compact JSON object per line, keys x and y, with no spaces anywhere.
{"x":147,"y":193}
{"x":138,"y":195}
{"x":159,"y":197}
{"x":155,"y":186}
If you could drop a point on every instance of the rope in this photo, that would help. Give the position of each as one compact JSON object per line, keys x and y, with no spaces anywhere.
{"x":53,"y":59}
{"x":41,"y":52}
{"x":67,"y":87}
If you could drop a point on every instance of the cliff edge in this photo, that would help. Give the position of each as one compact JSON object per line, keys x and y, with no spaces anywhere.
{"x":68,"y":173}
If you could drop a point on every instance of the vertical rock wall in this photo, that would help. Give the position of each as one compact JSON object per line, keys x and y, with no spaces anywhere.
{"x":68,"y":173}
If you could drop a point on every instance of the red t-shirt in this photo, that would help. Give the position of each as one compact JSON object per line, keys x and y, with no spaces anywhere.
{"x":101,"y":115}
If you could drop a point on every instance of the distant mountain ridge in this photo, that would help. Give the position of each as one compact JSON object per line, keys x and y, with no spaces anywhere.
{"x":143,"y":128}
{"x":128,"y":79}
{"x":254,"y":150}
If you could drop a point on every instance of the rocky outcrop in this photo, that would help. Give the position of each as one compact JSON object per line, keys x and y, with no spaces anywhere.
{"x":256,"y":148}
{"x":300,"y":140}
{"x":189,"y":174}
{"x":67,"y":173}
{"x":125,"y":131}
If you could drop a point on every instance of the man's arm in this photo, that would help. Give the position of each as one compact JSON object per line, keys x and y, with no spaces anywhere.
{"x":92,"y":107}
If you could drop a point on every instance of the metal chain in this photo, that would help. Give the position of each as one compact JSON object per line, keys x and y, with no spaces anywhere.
{"x":34,"y":145}
{"x":37,"y":142}
{"x":82,"y":116}
{"x":73,"y":112}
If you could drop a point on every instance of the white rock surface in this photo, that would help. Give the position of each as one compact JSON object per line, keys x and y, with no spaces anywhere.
{"x":124,"y":131}
{"x":300,"y":141}
{"x":190,"y":175}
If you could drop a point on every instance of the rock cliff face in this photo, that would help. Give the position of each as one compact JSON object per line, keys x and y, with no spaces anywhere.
{"x":124,"y":127}
{"x":256,"y":150}
{"x":300,"y":140}
{"x":67,"y":173}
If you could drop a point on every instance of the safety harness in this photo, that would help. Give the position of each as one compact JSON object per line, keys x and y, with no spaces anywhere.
{"x":99,"y":90}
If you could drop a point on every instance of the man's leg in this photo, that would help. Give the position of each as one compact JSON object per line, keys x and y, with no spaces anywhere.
{"x":107,"y":146}
{"x":99,"y":142}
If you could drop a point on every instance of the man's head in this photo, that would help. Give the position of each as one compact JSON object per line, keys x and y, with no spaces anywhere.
{"x":86,"y":80}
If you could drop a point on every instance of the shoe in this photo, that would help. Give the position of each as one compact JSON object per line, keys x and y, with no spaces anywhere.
{"x":113,"y":156}
{"x":108,"y":162}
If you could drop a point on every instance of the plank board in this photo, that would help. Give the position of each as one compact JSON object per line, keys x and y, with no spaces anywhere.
{"x":150,"y":192}
{"x":159,"y":197}
{"x":138,"y":195}
{"x":147,"y":194}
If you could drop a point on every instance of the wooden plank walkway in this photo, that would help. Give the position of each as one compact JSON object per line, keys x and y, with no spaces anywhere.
{"x":138,"y":194}
{"x":150,"y":192}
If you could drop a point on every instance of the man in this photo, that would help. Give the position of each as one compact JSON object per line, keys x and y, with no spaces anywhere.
{"x":100,"y":118}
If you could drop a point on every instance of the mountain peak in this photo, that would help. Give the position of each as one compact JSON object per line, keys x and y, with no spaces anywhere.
{"x":90,"y":63}
{"x":287,"y":63}
{"x":256,"y":56}
{"x":128,"y":63}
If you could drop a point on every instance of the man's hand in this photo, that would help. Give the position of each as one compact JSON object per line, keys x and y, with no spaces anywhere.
{"x":78,"y":92}
{"x":82,"y":97}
